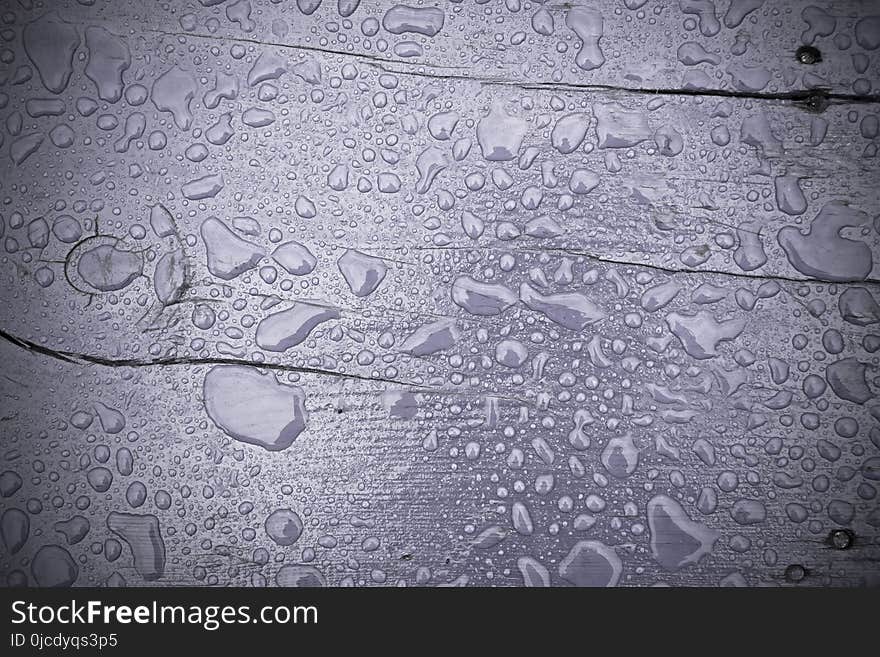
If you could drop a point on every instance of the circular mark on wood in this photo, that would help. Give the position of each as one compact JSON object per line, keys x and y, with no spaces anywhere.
{"x":795,"y":573}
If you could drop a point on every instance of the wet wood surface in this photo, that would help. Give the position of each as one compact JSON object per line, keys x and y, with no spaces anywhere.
{"x":484,"y":293}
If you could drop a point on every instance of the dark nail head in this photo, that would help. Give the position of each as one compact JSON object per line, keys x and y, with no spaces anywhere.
{"x":808,"y":55}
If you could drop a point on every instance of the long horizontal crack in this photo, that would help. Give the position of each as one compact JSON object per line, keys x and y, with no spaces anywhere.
{"x":814,"y":100}
{"x":648,"y":265}
{"x":78,"y":358}
{"x":797,"y":95}
{"x":91,"y":359}
{"x":317,"y":49}
{"x":716,"y":272}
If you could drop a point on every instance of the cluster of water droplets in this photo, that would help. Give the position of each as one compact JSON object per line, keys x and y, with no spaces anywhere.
{"x":286,"y":306}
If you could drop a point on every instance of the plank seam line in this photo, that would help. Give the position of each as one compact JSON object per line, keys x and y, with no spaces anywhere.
{"x":803,"y":96}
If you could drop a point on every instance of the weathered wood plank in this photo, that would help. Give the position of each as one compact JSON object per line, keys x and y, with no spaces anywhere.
{"x":460,"y":311}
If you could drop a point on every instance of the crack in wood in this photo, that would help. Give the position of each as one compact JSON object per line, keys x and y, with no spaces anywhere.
{"x":647,"y":265}
{"x":814,"y":100}
{"x":78,"y":358}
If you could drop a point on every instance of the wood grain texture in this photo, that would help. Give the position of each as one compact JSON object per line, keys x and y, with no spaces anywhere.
{"x":619,"y":324}
{"x":743,"y":46}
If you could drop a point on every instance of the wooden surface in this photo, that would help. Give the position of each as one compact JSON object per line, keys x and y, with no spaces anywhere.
{"x":647,"y":243}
